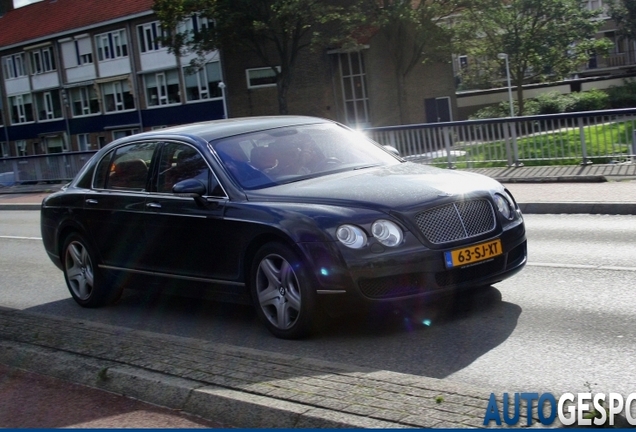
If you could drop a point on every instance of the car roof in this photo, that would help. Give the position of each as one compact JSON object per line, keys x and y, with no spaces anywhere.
{"x":217,"y":129}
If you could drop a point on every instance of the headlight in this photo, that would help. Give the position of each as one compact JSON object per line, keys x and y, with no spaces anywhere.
{"x":505,"y":206}
{"x":387,"y":233}
{"x":351,"y":236}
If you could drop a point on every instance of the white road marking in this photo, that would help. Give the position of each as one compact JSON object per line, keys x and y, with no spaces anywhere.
{"x":20,"y":238}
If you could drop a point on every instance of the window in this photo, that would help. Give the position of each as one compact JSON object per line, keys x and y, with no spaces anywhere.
{"x":49,"y":105}
{"x":111,"y":45}
{"x":14,"y":66}
{"x":162,"y":88}
{"x":55,"y":144}
{"x":261,"y":77}
{"x":124,"y":133}
{"x":83,"y":51}
{"x":4,"y":147}
{"x":354,"y":88}
{"x":21,"y":147}
{"x":21,"y":108}
{"x":149,"y":35}
{"x":117,"y":96}
{"x":126,"y":168}
{"x":180,"y":162}
{"x":193,"y":25}
{"x":84,"y":101}
{"x":42,"y":60}
{"x":84,"y":142}
{"x":203,"y":84}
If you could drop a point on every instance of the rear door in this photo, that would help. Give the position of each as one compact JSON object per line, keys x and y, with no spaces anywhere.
{"x":114,"y":208}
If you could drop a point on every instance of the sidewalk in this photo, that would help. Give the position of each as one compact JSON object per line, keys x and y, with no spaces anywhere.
{"x":249,"y":388}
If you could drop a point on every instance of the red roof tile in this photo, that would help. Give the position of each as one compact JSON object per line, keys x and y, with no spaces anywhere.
{"x":49,"y":17}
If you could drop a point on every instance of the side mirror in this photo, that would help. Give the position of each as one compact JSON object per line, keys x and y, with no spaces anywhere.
{"x":189,"y":187}
{"x":392,"y":149}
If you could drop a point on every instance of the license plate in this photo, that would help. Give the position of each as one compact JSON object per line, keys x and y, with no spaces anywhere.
{"x":472,"y":254}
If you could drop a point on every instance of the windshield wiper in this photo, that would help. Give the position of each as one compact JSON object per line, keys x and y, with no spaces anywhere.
{"x":366,"y":166}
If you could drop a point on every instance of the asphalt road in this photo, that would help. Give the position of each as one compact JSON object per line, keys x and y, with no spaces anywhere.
{"x":563,"y":324}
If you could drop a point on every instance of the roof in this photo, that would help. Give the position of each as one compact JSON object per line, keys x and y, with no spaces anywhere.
{"x":51,"y":17}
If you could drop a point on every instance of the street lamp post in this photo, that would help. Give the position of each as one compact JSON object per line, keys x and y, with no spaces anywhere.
{"x":504,"y":56}
{"x":222,"y":87}
{"x":513,"y":129}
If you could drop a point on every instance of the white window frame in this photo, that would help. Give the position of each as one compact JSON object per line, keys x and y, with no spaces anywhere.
{"x":14,"y":66}
{"x":193,"y":25}
{"x":83,"y":51}
{"x":204,"y":86}
{"x":84,"y":99}
{"x":149,"y":35}
{"x":118,"y":95}
{"x":249,"y":78}
{"x":42,"y":60}
{"x":162,"y":81}
{"x":18,"y":101}
{"x":120,"y":133}
{"x":112,"y":45}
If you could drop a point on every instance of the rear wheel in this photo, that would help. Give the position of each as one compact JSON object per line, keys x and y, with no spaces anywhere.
{"x":87,"y":283}
{"x":282,"y":291}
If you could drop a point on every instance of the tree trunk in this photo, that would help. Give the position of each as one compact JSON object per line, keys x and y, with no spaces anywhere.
{"x":520,"y":103}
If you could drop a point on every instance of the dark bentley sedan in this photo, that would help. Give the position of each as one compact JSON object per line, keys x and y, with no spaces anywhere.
{"x":286,"y":213}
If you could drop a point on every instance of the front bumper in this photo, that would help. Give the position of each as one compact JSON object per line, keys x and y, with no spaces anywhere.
{"x":409,"y":273}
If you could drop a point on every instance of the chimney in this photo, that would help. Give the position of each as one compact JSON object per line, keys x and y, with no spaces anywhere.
{"x":5,"y":6}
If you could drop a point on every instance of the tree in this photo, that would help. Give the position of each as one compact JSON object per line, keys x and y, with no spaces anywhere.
{"x":417,"y":31}
{"x":623,"y":13}
{"x":544,"y":39}
{"x":275,"y":31}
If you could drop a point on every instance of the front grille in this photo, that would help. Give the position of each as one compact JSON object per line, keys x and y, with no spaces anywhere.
{"x":457,"y":221}
{"x":392,"y":286}
{"x":468,"y":274}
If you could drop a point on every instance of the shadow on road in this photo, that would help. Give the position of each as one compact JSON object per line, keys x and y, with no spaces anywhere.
{"x":435,"y":341}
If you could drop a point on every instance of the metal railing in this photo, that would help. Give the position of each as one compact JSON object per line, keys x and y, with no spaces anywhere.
{"x":556,"y":139}
{"x":564,"y":139}
{"x":51,"y":167}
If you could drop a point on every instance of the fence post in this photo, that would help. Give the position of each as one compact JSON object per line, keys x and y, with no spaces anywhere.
{"x":507,"y":140}
{"x":633,"y":158}
{"x":447,"y":144}
{"x":585,"y":160}
{"x":515,"y":144}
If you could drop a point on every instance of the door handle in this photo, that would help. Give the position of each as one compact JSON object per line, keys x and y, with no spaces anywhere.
{"x":153,"y":205}
{"x":91,"y":201}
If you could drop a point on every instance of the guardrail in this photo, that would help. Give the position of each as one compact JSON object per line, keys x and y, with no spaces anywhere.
{"x":52,"y":167}
{"x":564,"y":139}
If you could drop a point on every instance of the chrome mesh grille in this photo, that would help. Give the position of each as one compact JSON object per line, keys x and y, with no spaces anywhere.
{"x":457,"y":221}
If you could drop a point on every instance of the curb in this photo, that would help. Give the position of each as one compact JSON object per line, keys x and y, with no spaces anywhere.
{"x":233,"y":385}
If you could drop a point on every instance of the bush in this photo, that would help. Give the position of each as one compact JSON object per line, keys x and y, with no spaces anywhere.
{"x":592,"y":100}
{"x":623,"y":96}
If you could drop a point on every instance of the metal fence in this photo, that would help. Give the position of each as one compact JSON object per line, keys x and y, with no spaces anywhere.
{"x":556,"y":139}
{"x":52,"y":167}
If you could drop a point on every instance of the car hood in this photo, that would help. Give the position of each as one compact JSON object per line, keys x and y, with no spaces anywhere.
{"x":398,"y":186}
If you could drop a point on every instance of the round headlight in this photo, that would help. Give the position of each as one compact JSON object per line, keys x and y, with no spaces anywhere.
{"x":504,"y":206}
{"x":351,"y":236}
{"x":387,"y":233}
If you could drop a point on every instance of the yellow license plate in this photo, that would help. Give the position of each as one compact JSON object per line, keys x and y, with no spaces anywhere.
{"x":472,"y":254}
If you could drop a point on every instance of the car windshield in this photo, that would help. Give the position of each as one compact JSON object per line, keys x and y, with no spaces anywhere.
{"x":283,"y":155}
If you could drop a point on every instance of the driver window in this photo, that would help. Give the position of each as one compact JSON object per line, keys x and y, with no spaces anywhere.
{"x":180,"y":162}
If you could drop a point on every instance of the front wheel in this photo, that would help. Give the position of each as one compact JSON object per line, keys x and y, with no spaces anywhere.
{"x":282,"y":291}
{"x":86,"y":282}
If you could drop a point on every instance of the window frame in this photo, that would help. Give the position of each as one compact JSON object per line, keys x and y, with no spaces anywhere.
{"x":119,"y":96}
{"x":256,"y":86}
{"x":112,"y":45}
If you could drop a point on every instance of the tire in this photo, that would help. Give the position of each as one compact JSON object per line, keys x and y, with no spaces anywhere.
{"x":86,"y":282}
{"x":284,"y":297}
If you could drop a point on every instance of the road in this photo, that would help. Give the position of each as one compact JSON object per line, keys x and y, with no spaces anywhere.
{"x":563,"y":324}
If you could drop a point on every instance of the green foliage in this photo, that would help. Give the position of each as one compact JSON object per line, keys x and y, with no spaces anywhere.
{"x":544,"y":39}
{"x":623,"y":12}
{"x":623,"y":96}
